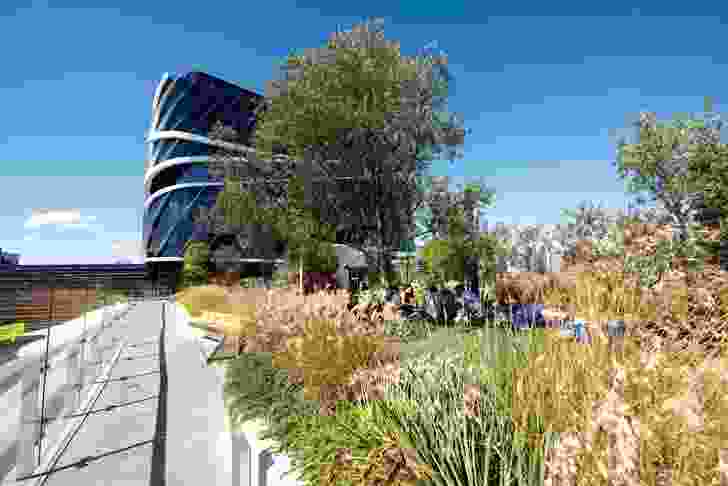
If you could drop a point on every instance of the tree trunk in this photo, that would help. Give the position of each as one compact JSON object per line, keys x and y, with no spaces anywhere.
{"x":380,"y":238}
{"x":300,"y":275}
{"x":474,"y":281}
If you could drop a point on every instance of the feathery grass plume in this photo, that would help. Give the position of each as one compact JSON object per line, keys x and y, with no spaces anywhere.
{"x":615,"y":412}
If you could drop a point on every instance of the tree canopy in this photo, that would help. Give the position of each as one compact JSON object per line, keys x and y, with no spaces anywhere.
{"x":359,"y":110}
{"x":664,"y":160}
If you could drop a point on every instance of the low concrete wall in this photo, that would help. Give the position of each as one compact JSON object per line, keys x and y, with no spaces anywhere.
{"x":201,"y":441}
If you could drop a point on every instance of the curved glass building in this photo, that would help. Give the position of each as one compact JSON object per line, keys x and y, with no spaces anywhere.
{"x":176,"y":180}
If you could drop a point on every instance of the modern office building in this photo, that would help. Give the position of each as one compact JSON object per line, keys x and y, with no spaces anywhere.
{"x":176,"y":180}
{"x":9,"y":258}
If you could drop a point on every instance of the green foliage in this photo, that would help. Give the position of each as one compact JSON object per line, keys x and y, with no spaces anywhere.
{"x":360,"y":89}
{"x":239,"y":208}
{"x":444,"y":259}
{"x":426,"y":412}
{"x":255,"y":389}
{"x":657,"y":165}
{"x":315,"y":440}
{"x":437,"y":259}
{"x":111,"y":295}
{"x":354,"y":106}
{"x":709,"y":172}
{"x":195,"y":268}
{"x":307,"y":237}
{"x":488,"y":247}
{"x":382,"y":280}
{"x":248,"y":282}
{"x":197,"y":253}
{"x":320,"y":257}
{"x":612,"y":245}
{"x":651,"y":268}
{"x":425,"y":217}
{"x":496,"y":352}
{"x":408,"y":330}
{"x":372,"y":296}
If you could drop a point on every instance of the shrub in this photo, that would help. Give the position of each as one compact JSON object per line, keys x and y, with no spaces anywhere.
{"x":320,"y":258}
{"x":274,"y":320}
{"x":347,"y":446}
{"x":439,"y":263}
{"x":195,"y":269}
{"x":256,"y":389}
{"x":326,"y":356}
{"x":451,"y":421}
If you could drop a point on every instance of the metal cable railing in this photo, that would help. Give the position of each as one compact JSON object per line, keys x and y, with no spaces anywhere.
{"x":43,"y":470}
{"x":47,"y":399}
{"x":33,"y":374}
{"x":103,"y":347}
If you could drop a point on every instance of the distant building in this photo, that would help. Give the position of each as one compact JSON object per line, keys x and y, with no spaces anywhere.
{"x":9,"y":258}
{"x":177,"y":182}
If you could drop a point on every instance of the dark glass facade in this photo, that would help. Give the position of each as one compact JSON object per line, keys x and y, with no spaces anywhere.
{"x":188,"y":104}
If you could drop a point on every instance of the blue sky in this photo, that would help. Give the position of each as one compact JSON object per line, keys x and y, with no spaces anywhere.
{"x":542,"y":95}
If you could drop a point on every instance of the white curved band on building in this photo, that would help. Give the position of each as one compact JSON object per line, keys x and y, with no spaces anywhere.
{"x":183,"y":109}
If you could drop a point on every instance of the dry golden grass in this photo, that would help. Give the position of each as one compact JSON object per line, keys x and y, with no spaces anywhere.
{"x":272,"y":320}
{"x":655,"y":412}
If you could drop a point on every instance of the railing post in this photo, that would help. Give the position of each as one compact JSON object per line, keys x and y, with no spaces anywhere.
{"x":45,"y":368}
{"x":29,"y":420}
{"x":242,"y":453}
{"x":91,"y":353}
{"x":74,"y":374}
{"x":265,"y":461}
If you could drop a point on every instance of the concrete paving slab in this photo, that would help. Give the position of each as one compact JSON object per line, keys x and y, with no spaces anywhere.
{"x":108,"y":432}
{"x":128,"y":468}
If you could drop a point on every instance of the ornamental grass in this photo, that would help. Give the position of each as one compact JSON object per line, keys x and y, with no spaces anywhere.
{"x":651,"y":410}
{"x":494,"y":407}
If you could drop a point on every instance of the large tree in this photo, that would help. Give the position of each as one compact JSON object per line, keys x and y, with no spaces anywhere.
{"x":659,"y":163}
{"x":431,"y":220}
{"x":683,"y":165}
{"x":451,"y":216}
{"x":359,"y":109}
{"x":263,"y":206}
{"x":306,"y":236}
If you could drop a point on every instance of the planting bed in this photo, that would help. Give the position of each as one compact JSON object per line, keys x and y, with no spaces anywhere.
{"x":424,"y":352}
{"x":538,"y":399}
